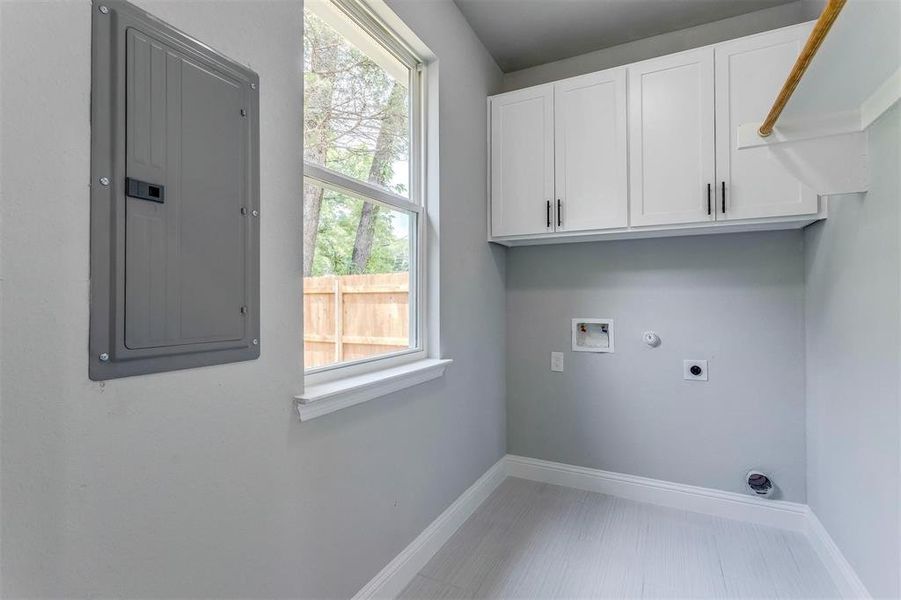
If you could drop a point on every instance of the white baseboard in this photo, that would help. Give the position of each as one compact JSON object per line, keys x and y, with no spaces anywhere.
{"x":843,"y":574}
{"x":391,"y":580}
{"x":774,"y":513}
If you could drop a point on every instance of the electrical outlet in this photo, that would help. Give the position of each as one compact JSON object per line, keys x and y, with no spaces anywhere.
{"x":694,"y":370}
{"x":557,"y":362}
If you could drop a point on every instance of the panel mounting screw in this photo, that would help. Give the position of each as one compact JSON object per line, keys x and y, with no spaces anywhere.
{"x":243,"y":113}
{"x":243,"y":310}
{"x":104,"y":181}
{"x":103,"y":9}
{"x":104,"y":357}
{"x":256,"y":342}
{"x":253,"y":86}
{"x":243,"y":210}
{"x":255,"y":213}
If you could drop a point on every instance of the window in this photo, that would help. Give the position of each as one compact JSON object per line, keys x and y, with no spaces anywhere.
{"x":363,"y":214}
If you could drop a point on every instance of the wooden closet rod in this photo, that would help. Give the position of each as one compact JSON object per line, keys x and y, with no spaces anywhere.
{"x":822,"y":27}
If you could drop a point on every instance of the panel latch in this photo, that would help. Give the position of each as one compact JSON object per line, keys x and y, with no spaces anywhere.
{"x":144,"y":190}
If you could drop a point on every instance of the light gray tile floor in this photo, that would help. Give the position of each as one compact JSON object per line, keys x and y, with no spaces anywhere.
{"x":534,"y":540}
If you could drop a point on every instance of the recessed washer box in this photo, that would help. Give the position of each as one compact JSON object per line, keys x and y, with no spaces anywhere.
{"x":592,"y":335}
{"x":175,"y":227}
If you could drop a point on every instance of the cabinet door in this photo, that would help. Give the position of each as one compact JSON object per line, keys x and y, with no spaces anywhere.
{"x":671,"y":138}
{"x":749,"y":74}
{"x":522,"y":162}
{"x":590,"y":151}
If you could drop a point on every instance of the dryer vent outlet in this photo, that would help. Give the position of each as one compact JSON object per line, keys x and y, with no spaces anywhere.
{"x":759,"y":484}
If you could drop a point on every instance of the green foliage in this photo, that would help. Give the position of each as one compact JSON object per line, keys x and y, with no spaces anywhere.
{"x":338,"y":221}
{"x":349,"y":100}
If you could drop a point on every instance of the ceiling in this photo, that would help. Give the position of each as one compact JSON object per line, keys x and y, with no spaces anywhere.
{"x":525,"y":33}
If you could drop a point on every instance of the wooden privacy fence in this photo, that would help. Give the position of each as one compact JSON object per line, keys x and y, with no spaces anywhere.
{"x":354,"y":316}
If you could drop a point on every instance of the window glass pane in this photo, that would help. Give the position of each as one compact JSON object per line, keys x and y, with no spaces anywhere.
{"x":357,"y":299}
{"x":356,"y":102}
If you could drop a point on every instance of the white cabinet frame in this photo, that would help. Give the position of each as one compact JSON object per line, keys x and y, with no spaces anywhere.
{"x":749,"y":73}
{"x":680,"y":150}
{"x":521,"y":170}
{"x":590,"y":152}
{"x":671,"y":139}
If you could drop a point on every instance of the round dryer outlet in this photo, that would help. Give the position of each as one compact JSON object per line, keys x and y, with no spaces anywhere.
{"x":759,"y":484}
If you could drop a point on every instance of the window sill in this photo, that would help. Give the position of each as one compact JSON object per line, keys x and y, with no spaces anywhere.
{"x":325,"y":398}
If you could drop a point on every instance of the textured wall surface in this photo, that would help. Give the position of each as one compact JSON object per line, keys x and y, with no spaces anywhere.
{"x":736,"y":300}
{"x":853,"y":308}
{"x":202,"y":483}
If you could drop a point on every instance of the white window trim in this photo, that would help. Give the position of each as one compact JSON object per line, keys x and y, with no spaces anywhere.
{"x":325,"y":398}
{"x":333,"y":387}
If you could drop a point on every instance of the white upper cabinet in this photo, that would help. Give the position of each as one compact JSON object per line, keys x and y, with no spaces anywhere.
{"x":590,"y":150}
{"x":522,"y":162}
{"x":671,"y":136}
{"x":649,"y":149}
{"x":749,"y":74}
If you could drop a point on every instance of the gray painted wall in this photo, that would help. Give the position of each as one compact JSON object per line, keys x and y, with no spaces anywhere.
{"x":667,"y":43}
{"x":853,"y":269}
{"x":203,"y":483}
{"x":736,"y":300}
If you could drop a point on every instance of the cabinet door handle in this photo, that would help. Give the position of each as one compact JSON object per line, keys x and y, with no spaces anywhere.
{"x":559,"y":213}
{"x":724,"y":197}
{"x":708,"y":199}
{"x":548,"y":214}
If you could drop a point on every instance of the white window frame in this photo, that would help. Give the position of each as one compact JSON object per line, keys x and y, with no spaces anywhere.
{"x":359,"y":12}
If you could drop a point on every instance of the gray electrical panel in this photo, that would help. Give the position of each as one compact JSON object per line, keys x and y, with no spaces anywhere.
{"x":174,"y":199}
